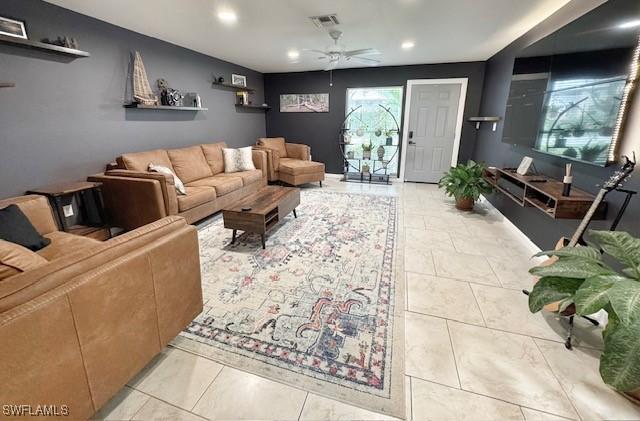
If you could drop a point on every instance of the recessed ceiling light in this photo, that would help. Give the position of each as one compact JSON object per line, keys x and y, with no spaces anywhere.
{"x":227,"y":16}
{"x":293,"y":54}
{"x":630,"y":24}
{"x":407,"y":45}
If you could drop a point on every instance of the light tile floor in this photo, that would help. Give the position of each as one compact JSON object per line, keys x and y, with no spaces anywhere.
{"x":473,"y":351}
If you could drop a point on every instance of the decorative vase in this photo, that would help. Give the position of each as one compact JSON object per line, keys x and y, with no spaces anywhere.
{"x":365,"y":168}
{"x":350,"y":154}
{"x":380,"y":152}
{"x":378,"y":132}
{"x":366,"y":154}
{"x":389,"y":141}
{"x":464,"y":203}
{"x":360,"y":132}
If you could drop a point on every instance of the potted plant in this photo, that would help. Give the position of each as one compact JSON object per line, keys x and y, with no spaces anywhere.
{"x":580,"y":278}
{"x":389,"y":134}
{"x":365,"y":168}
{"x":465,"y":183}
{"x":366,"y":150}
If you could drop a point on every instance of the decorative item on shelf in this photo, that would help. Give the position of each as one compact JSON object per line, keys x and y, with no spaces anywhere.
{"x":192,"y":99}
{"x":380,"y":152}
{"x":360,"y":132}
{"x":465,"y":183}
{"x":389,"y":140}
{"x":242,"y":97}
{"x":169,"y":96}
{"x":366,"y":150}
{"x":239,"y":80}
{"x":13,"y":28}
{"x":567,"y":181}
{"x":350,"y":154}
{"x":67,"y":42}
{"x":385,"y":164}
{"x":346,"y":139}
{"x":220,"y":79}
{"x":525,"y":165}
{"x":142,"y":93}
{"x":378,"y":132}
{"x":365,"y":168}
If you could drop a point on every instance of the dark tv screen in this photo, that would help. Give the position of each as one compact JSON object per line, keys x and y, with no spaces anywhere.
{"x":567,"y":89}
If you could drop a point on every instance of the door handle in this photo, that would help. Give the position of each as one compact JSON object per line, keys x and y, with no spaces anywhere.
{"x":411,"y":134}
{"x":411,"y":142}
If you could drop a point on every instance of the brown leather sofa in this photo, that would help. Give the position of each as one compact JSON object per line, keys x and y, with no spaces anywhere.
{"x":290,"y":162}
{"x":77,"y":328}
{"x":134,"y":196}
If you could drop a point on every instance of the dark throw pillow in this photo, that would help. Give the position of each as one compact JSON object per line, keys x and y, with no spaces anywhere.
{"x":16,"y":228}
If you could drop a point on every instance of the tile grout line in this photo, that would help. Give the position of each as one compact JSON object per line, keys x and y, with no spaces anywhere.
{"x":410,"y":399}
{"x":478,"y":304}
{"x":302,"y":407}
{"x":453,"y":351}
{"x":208,"y":386}
{"x":163,"y":401}
{"x":553,"y":373}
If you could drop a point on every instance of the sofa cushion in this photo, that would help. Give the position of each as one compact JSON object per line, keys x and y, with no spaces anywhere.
{"x":63,"y":243}
{"x":248,"y":177}
{"x":222,"y":183}
{"x":166,"y":170}
{"x":297,"y":167}
{"x":275,"y":143}
{"x":189,"y":163}
{"x":236,"y":160}
{"x":16,"y":228}
{"x":139,"y":161}
{"x":15,"y":259}
{"x":196,"y":195}
{"x":213,"y":155}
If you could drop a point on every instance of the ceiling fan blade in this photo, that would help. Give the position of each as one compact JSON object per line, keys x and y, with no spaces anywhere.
{"x":332,"y":65}
{"x":362,"y":52}
{"x":311,"y":50}
{"x":364,"y":60}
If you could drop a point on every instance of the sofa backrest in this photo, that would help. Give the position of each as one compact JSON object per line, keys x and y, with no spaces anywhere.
{"x":213,"y":155}
{"x":139,"y":161}
{"x":274,"y":143}
{"x":37,"y":209}
{"x":189,"y":163}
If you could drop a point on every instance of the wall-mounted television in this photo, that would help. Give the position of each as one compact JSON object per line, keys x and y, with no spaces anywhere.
{"x":568,"y":90}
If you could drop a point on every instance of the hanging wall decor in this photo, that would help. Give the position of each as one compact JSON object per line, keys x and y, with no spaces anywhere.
{"x":304,"y":103}
{"x":142,"y":93}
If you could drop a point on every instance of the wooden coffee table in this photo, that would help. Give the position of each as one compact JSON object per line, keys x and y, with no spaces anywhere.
{"x":262,"y":210}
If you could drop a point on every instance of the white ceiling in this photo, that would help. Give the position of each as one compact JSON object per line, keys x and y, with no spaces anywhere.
{"x":443,"y":30}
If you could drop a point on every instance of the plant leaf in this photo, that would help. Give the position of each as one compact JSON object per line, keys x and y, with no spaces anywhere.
{"x":564,"y":304}
{"x":632,"y":273}
{"x":551,"y":289}
{"x":593,"y":294}
{"x":620,"y":361}
{"x":620,"y":245}
{"x":625,"y":300}
{"x":572,"y":267}
{"x":589,"y":253}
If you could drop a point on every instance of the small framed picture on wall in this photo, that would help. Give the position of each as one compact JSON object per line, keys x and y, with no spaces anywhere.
{"x":12,"y":28}
{"x":239,"y":80}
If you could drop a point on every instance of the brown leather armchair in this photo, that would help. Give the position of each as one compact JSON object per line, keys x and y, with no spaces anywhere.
{"x":290,"y":162}
{"x":77,"y":328}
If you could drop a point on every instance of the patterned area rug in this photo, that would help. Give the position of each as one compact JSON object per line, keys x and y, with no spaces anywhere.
{"x":316,"y":309}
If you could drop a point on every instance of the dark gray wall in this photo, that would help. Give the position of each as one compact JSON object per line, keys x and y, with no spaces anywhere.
{"x":543,"y":230}
{"x":65,"y":120}
{"x":320,"y":130}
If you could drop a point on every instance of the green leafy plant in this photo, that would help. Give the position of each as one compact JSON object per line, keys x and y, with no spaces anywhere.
{"x":465,"y":181}
{"x":367,"y":147}
{"x":590,"y":153}
{"x":580,"y":277}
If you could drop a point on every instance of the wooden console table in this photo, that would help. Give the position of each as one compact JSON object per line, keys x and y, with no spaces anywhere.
{"x":530,"y":190}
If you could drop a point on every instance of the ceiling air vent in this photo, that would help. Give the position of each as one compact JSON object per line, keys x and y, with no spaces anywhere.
{"x":325,"y":21}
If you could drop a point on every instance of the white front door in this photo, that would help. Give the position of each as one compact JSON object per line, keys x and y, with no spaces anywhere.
{"x":432,"y":128}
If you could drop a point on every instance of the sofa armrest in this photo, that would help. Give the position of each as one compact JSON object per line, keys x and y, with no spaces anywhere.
{"x":273,"y":162}
{"x":37,"y":209}
{"x":133,"y":199}
{"x":298,"y":151}
{"x":260,"y":162}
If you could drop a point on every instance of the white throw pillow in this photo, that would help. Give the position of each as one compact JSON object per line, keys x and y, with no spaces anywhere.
{"x":240,"y":159}
{"x":164,"y":170}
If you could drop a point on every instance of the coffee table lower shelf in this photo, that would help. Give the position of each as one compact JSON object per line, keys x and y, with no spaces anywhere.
{"x":261,"y":211}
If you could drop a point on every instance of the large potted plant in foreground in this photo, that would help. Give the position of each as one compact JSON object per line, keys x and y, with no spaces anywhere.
{"x":465,"y":183}
{"x":580,"y":279}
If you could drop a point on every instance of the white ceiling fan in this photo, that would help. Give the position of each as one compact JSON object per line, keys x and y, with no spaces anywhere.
{"x":337,"y":53}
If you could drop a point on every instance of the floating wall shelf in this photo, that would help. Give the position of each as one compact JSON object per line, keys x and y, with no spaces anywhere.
{"x":479,"y":120}
{"x":233,"y":87}
{"x":163,"y":107}
{"x":7,"y":85}
{"x":254,"y":107}
{"x":41,"y":46}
